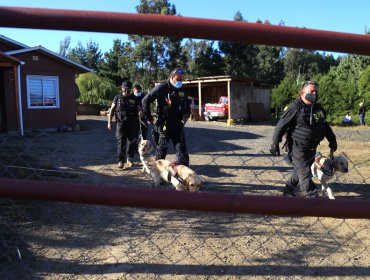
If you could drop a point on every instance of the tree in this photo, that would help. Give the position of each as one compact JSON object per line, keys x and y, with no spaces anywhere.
{"x":270,"y":66}
{"x":89,"y":56}
{"x":95,"y":89}
{"x":93,"y":55}
{"x":299,"y":64}
{"x":78,"y":54}
{"x":155,"y":55}
{"x":344,"y":85}
{"x":117,"y":64}
{"x":284,"y":94}
{"x":64,"y":46}
{"x":364,"y":86}
{"x":240,"y":59}
{"x":328,"y":90}
{"x":203,"y":59}
{"x":174,"y":55}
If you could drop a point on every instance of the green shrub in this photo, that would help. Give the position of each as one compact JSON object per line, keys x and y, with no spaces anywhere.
{"x":95,"y":89}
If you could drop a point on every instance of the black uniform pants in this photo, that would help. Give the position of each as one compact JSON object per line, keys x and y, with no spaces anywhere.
{"x":177,"y":136}
{"x":362,"y":118}
{"x":301,"y":176}
{"x":126,"y":130}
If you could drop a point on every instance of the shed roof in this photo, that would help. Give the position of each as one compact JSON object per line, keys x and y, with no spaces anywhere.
{"x":215,"y":79}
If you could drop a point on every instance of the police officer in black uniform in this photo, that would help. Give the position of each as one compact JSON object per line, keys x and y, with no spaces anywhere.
{"x":306,"y":121}
{"x":126,"y":108}
{"x":173,"y":110}
{"x":142,"y":126}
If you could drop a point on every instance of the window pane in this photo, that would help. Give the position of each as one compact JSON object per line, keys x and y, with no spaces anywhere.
{"x":35,"y":90}
{"x":49,"y":87}
{"x":42,"y":91}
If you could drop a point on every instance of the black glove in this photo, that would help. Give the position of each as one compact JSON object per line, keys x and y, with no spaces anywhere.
{"x":333,"y":146}
{"x":274,"y":150}
{"x":162,"y":140}
{"x":185,"y":119}
{"x":155,"y":136}
{"x":158,"y":122}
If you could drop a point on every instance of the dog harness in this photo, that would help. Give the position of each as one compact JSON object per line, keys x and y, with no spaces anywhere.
{"x":172,"y":172}
{"x":327,"y":166}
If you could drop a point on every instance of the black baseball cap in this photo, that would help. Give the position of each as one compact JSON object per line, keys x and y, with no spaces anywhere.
{"x":126,"y":84}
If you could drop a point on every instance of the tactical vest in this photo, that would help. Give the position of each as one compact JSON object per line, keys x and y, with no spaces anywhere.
{"x":171,"y":105}
{"x":126,"y":106}
{"x":310,"y":127}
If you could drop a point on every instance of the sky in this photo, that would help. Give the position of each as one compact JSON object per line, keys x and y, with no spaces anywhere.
{"x":331,"y":15}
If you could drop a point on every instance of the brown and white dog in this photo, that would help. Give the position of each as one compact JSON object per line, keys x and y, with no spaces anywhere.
{"x":161,"y":171}
{"x":339,"y":164}
{"x":145,"y":149}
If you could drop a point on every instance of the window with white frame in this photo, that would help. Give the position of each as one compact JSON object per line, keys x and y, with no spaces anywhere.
{"x":42,"y":91}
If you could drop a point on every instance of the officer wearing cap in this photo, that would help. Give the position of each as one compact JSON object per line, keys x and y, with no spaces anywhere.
{"x":142,"y":125}
{"x":306,"y":122}
{"x":125,"y":107}
{"x":173,"y":110}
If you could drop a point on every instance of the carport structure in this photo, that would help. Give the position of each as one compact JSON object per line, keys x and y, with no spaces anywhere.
{"x":248,"y":100}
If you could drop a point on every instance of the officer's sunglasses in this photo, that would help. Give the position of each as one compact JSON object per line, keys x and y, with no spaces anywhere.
{"x":177,"y":71}
{"x":312,"y":91}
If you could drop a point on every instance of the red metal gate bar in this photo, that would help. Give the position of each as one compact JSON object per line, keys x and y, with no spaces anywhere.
{"x":168,"y":199}
{"x":184,"y":27}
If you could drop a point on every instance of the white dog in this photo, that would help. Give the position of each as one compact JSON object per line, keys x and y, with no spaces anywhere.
{"x":145,"y":150}
{"x":339,"y":164}
{"x":187,"y":179}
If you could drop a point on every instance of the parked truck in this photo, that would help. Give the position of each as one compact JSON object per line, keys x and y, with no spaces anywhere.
{"x":213,"y":111}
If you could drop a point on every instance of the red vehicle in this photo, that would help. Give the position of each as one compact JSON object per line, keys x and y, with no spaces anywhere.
{"x":218,"y":110}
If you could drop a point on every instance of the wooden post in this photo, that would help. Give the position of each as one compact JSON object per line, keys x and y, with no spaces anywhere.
{"x":200,"y":98}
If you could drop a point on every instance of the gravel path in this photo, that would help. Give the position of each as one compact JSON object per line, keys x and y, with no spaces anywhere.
{"x":72,"y":241}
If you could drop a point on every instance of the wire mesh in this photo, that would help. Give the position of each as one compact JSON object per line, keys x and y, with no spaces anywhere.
{"x":55,"y":240}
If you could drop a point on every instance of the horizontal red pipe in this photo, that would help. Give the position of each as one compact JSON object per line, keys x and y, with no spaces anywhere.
{"x":168,"y":199}
{"x":184,"y":27}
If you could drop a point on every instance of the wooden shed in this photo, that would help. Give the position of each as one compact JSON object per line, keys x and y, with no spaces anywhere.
{"x":248,"y":100}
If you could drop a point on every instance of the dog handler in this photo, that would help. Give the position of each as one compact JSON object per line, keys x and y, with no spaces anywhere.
{"x":173,"y":110}
{"x":126,"y":108}
{"x":142,"y":127}
{"x":308,"y":125}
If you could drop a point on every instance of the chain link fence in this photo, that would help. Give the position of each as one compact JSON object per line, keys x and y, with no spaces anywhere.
{"x":58,"y":240}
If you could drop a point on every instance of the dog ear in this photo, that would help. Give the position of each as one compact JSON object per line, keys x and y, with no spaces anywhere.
{"x":186,"y":183}
{"x":344,"y":154}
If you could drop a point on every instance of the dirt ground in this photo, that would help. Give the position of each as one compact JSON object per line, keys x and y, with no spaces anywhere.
{"x":75,"y":241}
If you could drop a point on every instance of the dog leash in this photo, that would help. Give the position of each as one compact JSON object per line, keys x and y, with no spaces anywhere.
{"x":141,"y":122}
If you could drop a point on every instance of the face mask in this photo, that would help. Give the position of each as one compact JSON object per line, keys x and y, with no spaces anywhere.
{"x":310,"y":97}
{"x":138,"y":94}
{"x":178,"y":84}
